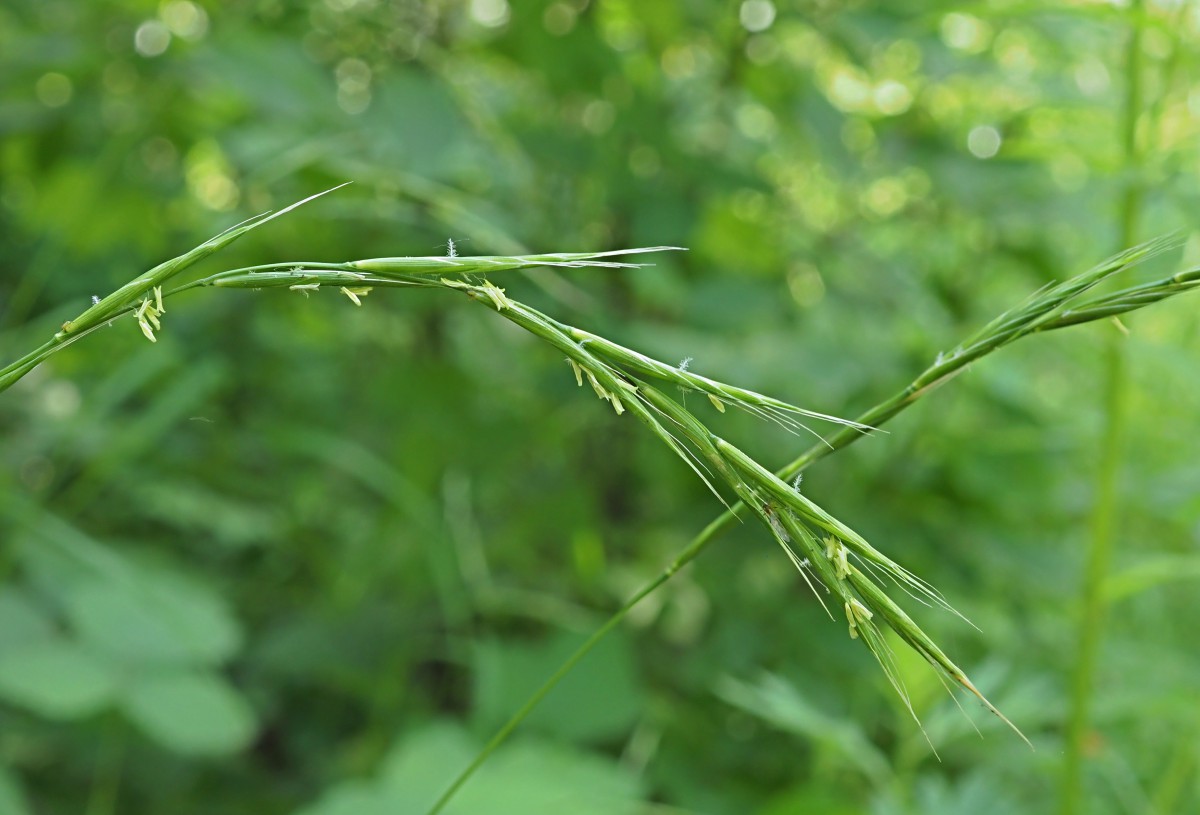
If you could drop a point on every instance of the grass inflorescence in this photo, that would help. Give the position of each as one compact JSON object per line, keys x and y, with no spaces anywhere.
{"x":849,"y":575}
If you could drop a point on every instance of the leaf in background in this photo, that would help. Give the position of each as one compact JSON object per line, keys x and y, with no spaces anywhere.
{"x":827,"y":799}
{"x":12,"y":797}
{"x":355,"y":798}
{"x":777,"y":701}
{"x":56,"y":679}
{"x":198,"y":510}
{"x":540,"y":778}
{"x":601,"y":701}
{"x":190,"y":713}
{"x":526,"y":778}
{"x":977,"y":793}
{"x":157,"y":617}
{"x":20,"y":621}
{"x":422,"y":765}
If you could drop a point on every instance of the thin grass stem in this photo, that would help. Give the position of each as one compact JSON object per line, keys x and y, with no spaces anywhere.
{"x":1106,"y":510}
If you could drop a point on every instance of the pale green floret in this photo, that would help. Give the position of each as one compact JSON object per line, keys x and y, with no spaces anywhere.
{"x":355,"y":292}
{"x":578,"y":372}
{"x":857,"y":614}
{"x":838,"y":554}
{"x":305,"y":288}
{"x":612,"y":398}
{"x":496,"y":295}
{"x":147,"y":319}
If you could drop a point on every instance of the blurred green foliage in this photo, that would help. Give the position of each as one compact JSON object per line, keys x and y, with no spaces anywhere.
{"x":302,"y":557}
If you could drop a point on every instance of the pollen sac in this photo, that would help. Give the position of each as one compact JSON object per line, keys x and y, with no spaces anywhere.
{"x":355,"y":293}
{"x":147,"y":318}
{"x":578,"y":371}
{"x":856,"y":615}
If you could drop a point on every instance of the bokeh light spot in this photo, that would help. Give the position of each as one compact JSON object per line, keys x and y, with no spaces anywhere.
{"x":184,"y":19}
{"x":964,"y":32}
{"x":559,"y":19}
{"x":891,"y":97}
{"x":490,"y":13}
{"x":756,"y":15}
{"x":598,"y":116}
{"x":53,"y":89}
{"x":151,"y":38}
{"x":984,"y":141}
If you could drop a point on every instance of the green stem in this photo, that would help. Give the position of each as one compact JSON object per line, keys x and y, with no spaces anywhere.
{"x":106,"y":783}
{"x":1105,"y":514}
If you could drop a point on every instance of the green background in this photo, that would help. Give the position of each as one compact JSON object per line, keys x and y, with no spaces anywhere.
{"x":301,"y":557}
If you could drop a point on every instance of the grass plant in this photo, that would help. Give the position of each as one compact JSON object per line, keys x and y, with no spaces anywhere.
{"x":849,"y":575}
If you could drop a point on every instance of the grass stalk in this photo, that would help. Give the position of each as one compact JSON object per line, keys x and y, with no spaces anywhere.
{"x":1106,"y":510}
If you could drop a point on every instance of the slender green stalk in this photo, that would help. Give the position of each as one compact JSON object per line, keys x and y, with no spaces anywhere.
{"x":1105,"y":512}
{"x":106,"y":781}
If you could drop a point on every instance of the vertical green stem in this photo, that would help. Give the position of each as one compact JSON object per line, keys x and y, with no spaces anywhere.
{"x":1105,"y":517}
{"x":106,"y":783}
